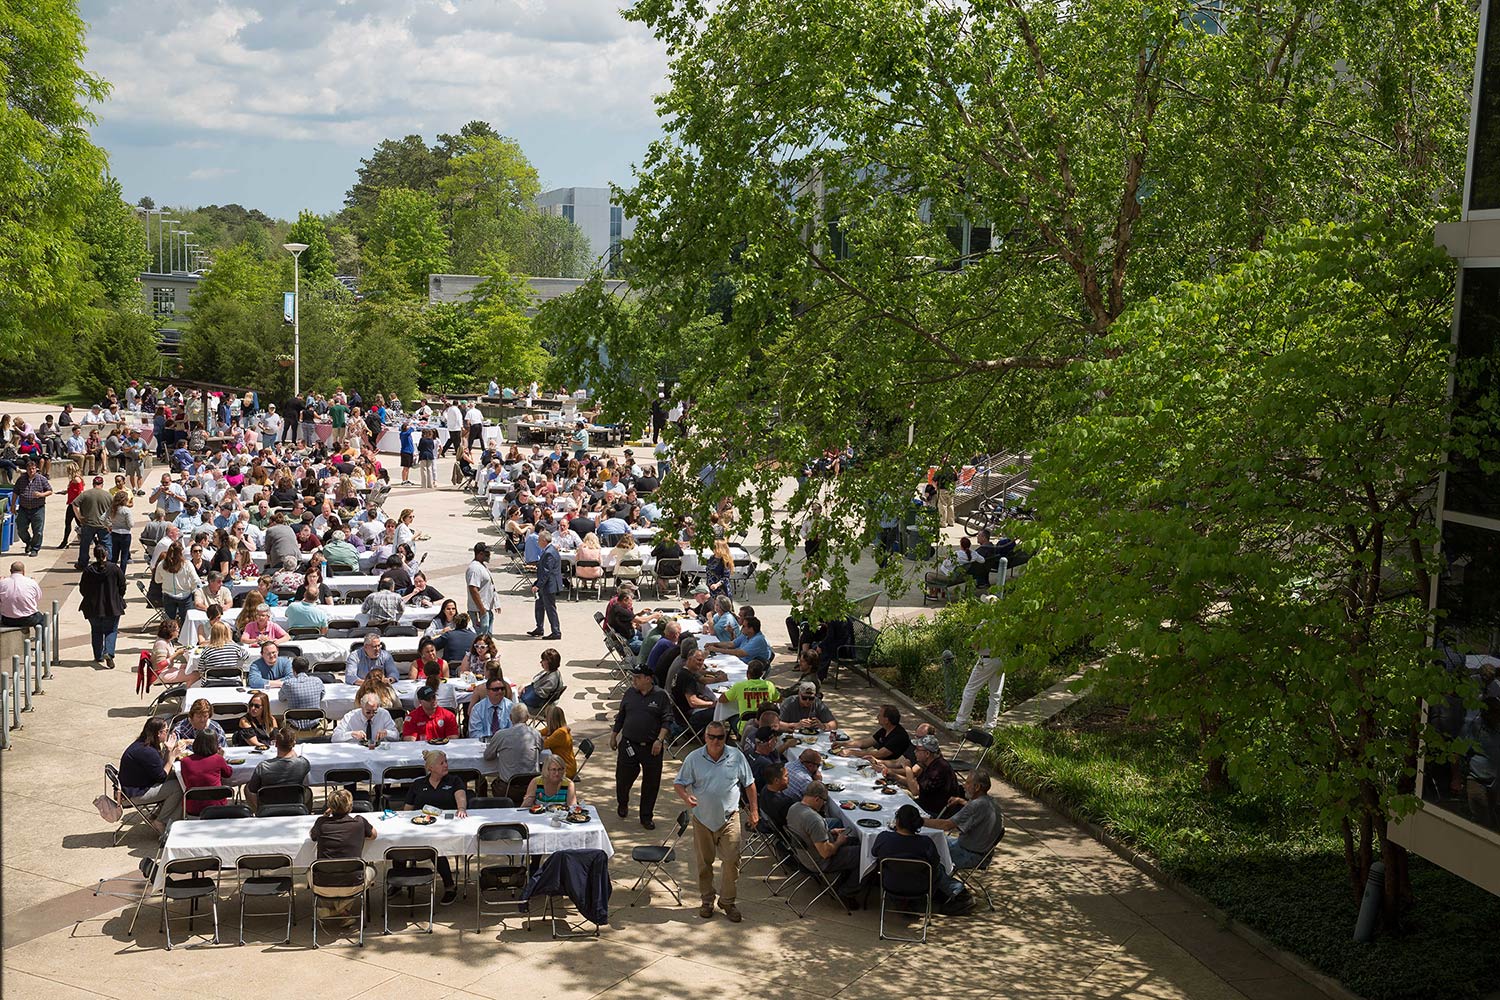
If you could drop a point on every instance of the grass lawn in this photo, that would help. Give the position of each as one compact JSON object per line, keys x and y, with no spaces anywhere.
{"x":1261,"y":859}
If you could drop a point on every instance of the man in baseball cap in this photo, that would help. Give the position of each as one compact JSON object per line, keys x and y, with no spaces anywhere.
{"x":931,"y":780}
{"x":480,"y":587}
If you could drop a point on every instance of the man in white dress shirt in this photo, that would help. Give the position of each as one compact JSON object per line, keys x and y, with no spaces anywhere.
{"x":368,"y":724}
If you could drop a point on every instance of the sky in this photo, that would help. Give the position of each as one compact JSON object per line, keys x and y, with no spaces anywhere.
{"x":272,"y":103}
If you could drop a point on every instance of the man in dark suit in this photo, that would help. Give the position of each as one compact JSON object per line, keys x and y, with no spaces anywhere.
{"x":549,"y":583}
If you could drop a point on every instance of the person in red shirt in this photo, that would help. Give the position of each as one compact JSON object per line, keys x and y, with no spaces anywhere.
{"x":75,"y":488}
{"x":427,"y":721}
{"x":205,"y":769}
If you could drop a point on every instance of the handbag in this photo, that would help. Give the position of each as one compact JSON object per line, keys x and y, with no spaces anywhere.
{"x":109,"y":808}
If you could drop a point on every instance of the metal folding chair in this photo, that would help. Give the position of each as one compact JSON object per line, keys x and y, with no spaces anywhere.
{"x":417,"y":869}
{"x":157,"y":615}
{"x":191,"y":883}
{"x":508,"y":848}
{"x":331,"y":879}
{"x":585,"y":750}
{"x":653,"y":859}
{"x":981,"y":740}
{"x":259,"y":875}
{"x":905,"y":882}
{"x":973,"y":878}
{"x":807,"y":866}
{"x":146,"y":813}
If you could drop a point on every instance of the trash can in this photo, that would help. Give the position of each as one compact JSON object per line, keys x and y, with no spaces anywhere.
{"x":7,"y":518}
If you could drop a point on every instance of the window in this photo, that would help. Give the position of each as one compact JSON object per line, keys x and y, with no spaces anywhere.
{"x":567,"y":212}
{"x":616,"y":224}
{"x":1484,"y":174}
{"x":1474,"y":481}
{"x":164,"y":301}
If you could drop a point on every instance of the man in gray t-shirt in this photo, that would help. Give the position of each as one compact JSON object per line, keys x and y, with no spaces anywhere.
{"x":286,"y":768}
{"x":978,"y":824}
{"x":837,"y":852}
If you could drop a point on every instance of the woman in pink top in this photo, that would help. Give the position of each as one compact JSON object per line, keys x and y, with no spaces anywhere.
{"x":261,"y":628}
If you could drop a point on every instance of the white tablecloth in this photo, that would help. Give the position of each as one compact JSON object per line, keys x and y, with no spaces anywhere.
{"x":858,"y":785}
{"x":340,"y":584}
{"x":389,"y":441}
{"x":323,"y":757}
{"x":735,"y":670}
{"x":692,"y":562}
{"x":196,"y":626}
{"x":230,"y":839}
{"x":366,"y":559}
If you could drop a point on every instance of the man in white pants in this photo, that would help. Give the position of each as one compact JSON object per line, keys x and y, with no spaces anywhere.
{"x":987,"y":670}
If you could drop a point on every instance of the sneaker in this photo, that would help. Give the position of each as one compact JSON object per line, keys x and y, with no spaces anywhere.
{"x":109,"y":661}
{"x":706,"y":911}
{"x":731,"y":911}
{"x":958,"y":725}
{"x":449,"y":895}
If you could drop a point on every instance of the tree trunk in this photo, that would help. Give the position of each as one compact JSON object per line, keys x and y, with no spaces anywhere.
{"x":1216,"y":774}
{"x":1397,"y":883}
{"x":1351,"y":859}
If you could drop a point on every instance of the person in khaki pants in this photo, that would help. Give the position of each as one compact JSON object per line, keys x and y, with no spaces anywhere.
{"x":710,"y":782}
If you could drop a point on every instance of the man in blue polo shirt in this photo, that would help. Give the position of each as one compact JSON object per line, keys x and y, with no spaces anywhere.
{"x":748,"y":645}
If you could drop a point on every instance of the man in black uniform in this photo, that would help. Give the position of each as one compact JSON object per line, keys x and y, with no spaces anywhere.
{"x":640,"y":735}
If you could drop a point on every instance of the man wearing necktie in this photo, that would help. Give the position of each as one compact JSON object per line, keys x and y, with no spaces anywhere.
{"x":492,"y":714}
{"x":549,"y":583}
{"x":367,"y":723}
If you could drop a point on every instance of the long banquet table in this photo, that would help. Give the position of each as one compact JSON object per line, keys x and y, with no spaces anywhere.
{"x":230,"y":839}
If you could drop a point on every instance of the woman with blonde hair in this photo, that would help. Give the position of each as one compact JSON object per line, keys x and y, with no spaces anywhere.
{"x":558,"y":738}
{"x":551,"y":787}
{"x":253,"y":603}
{"x":719,"y":573}
{"x":380,"y":686}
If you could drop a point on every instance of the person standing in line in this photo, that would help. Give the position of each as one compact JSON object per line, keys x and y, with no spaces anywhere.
{"x":710,"y":783}
{"x":453,"y":423}
{"x":549,"y":583}
{"x":408,"y":452}
{"x":92,"y":508}
{"x":427,"y":459}
{"x":32,"y":491}
{"x":481,"y":590}
{"x":103,"y":588}
{"x":639,"y":734}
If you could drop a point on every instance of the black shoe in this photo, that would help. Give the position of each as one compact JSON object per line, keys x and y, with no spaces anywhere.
{"x":648,"y":823}
{"x":535,"y":633}
{"x":63,"y":544}
{"x":450,"y":893}
{"x":554,"y":637}
{"x":623,"y":811}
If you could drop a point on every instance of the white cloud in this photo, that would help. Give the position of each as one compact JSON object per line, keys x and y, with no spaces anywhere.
{"x":210,"y":173}
{"x":357,"y":71}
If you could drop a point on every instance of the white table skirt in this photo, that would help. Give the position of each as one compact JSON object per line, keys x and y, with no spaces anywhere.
{"x":196,"y":626}
{"x":323,"y":757}
{"x":230,"y":839}
{"x":859,"y":786}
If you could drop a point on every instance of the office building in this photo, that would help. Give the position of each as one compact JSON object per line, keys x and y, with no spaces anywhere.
{"x":592,"y":210}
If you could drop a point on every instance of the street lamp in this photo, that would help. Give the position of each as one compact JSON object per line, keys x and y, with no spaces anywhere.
{"x":184,"y":234}
{"x":160,"y":233}
{"x":148,"y":212}
{"x":295,"y":249}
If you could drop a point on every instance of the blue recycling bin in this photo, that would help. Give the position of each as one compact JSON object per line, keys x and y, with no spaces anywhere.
{"x":7,"y":518}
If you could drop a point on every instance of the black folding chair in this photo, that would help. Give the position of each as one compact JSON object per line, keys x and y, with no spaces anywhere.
{"x":653,"y":859}
{"x":206,"y":795}
{"x":351,"y":778}
{"x":586,"y":749}
{"x":271,"y":796}
{"x":981,"y":740}
{"x":393,"y":784}
{"x":189,"y":879}
{"x":973,"y":878}
{"x":410,"y":868}
{"x":810,"y":872}
{"x":905,"y":882}
{"x":502,"y":864}
{"x":232,"y":810}
{"x":490,"y":802}
{"x":146,"y":813}
{"x":342,"y":880}
{"x":260,"y":876}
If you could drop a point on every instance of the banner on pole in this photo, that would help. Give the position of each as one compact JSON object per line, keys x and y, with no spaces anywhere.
{"x":288,"y":304}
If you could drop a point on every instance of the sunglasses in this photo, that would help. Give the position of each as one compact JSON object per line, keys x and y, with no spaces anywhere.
{"x":805,"y":697}
{"x":715,"y":736}
{"x":497,"y":690}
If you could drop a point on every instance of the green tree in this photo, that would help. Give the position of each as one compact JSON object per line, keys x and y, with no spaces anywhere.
{"x":1243,"y":517}
{"x":489,"y":175}
{"x":448,"y":344}
{"x":378,"y":357}
{"x":395,"y":163}
{"x":123,"y":347}
{"x":317,"y":259}
{"x":405,"y":242}
{"x":511,"y":352}
{"x":49,"y":178}
{"x":116,"y":241}
{"x":533,"y":243}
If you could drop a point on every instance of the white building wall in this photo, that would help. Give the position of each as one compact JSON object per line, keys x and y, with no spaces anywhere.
{"x":590,"y":210}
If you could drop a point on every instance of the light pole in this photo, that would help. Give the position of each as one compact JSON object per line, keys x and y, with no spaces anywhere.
{"x":161,"y":232}
{"x":184,"y":234}
{"x":295,"y":249}
{"x":148,"y":212}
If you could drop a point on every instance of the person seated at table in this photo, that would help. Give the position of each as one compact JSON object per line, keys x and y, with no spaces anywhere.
{"x":368,"y":723}
{"x":803,"y":769}
{"x":490,"y":704}
{"x":454,"y":644}
{"x":427,"y":657}
{"x":774,"y":796}
{"x":661,"y":653}
{"x":304,"y":614}
{"x":302,"y":690}
{"x":384,"y":606}
{"x":288,"y":575}
{"x":978,"y":823}
{"x":551,"y":787}
{"x":257,"y":725}
{"x":889,"y":741}
{"x":368,"y":656}
{"x":443,"y":621}
{"x":546,"y":683}
{"x":666,"y":547}
{"x":213,"y":591}
{"x":690,"y":693}
{"x":146,"y":772}
{"x":806,"y":710}
{"x":931,"y":780}
{"x":287,"y":768}
{"x":751,"y":693}
{"x":340,"y":834}
{"x":750,"y":644}
{"x":517,"y":749}
{"x":588,"y":551}
{"x":206,"y":768}
{"x":378,"y":684}
{"x":557,"y":738}
{"x":342,"y":557}
{"x":481,"y":651}
{"x":440,"y":791}
{"x":199,"y":719}
{"x":421,"y":594}
{"x":725,"y":625}
{"x":428,"y":721}
{"x":270,"y":669}
{"x":905,"y":840}
{"x":700,"y":605}
{"x":261,"y":627}
{"x":220,"y":652}
{"x":620,"y":617}
{"x":836,"y":852}
{"x":313,"y":587}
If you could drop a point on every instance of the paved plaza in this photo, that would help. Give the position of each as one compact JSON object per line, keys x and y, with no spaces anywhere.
{"x":1071,"y":918}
